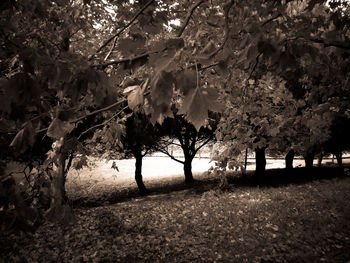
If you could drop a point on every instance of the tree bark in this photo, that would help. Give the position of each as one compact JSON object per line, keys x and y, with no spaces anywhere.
{"x":309,"y":160}
{"x":289,"y":159}
{"x":339,"y":156}
{"x":188,"y":169}
{"x":138,"y":171}
{"x":260,"y":164}
{"x":319,"y":160}
{"x":57,"y":189}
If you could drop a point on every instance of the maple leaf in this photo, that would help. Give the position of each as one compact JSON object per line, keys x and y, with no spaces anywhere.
{"x":197,"y":104}
{"x":131,"y":46}
{"x":160,"y":112}
{"x":59,"y":128}
{"x":162,"y":87}
{"x":186,"y":81}
{"x":24,"y":139}
{"x":135,"y":96}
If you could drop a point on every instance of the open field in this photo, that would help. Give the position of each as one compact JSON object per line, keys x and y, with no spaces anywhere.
{"x":101,"y":180}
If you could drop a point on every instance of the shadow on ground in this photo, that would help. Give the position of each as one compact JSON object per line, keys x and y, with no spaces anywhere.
{"x":272,"y":178}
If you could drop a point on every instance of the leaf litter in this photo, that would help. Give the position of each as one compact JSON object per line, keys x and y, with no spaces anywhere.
{"x":292,"y":223}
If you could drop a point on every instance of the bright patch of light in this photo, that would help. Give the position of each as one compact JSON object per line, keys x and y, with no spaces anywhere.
{"x":175,"y":22}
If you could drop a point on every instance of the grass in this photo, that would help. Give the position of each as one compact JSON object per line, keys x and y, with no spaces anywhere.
{"x":305,"y":220}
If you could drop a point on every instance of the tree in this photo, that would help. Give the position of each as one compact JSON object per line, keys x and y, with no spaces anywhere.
{"x":138,"y":139}
{"x":257,"y":117}
{"x":47,"y":90}
{"x":339,"y":139}
{"x":305,"y":58}
{"x":177,"y":131}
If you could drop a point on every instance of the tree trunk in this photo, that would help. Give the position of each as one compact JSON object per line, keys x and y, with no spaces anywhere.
{"x":188,"y":169}
{"x":260,"y":163}
{"x":289,"y":159}
{"x":138,"y":172}
{"x":309,"y":160}
{"x":319,"y":160}
{"x":57,"y":190}
{"x":246,"y":159}
{"x":339,"y":156}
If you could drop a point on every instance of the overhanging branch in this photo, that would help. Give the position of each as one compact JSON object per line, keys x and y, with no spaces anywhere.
{"x":123,"y":28}
{"x":125,"y":60}
{"x":337,"y":44}
{"x":103,"y":123}
{"x":112,"y":47}
{"x":90,"y":114}
{"x":227,"y":7}
{"x":188,"y":17}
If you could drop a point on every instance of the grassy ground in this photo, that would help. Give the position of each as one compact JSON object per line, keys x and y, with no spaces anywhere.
{"x":305,"y":220}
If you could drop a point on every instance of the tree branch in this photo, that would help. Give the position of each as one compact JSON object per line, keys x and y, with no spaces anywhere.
{"x":69,"y":164}
{"x":202,"y":145}
{"x":167,"y":143}
{"x":227,"y":29}
{"x":90,"y":114}
{"x":255,"y":65}
{"x":189,"y":15}
{"x":111,"y":50}
{"x":169,"y":155}
{"x":337,"y":44}
{"x":123,"y":28}
{"x":209,"y":66}
{"x":124,"y":60}
{"x":271,"y":19}
{"x":99,"y":110}
{"x":326,"y":43}
{"x":103,"y":123}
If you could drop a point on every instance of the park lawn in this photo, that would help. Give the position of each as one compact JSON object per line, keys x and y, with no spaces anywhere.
{"x":306,"y":222}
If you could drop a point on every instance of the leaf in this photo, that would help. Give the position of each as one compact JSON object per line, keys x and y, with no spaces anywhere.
{"x":24,"y":139}
{"x":160,"y":112}
{"x":175,"y":43}
{"x":148,"y":106}
{"x":135,"y":97}
{"x":18,"y":143}
{"x":59,"y":128}
{"x":80,"y":162}
{"x":212,"y":96}
{"x":130,"y":89}
{"x":152,"y":28}
{"x":197,"y":103}
{"x":131,"y":46}
{"x":162,"y":88}
{"x":274,"y":131}
{"x":186,"y":81}
{"x":163,"y":61}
